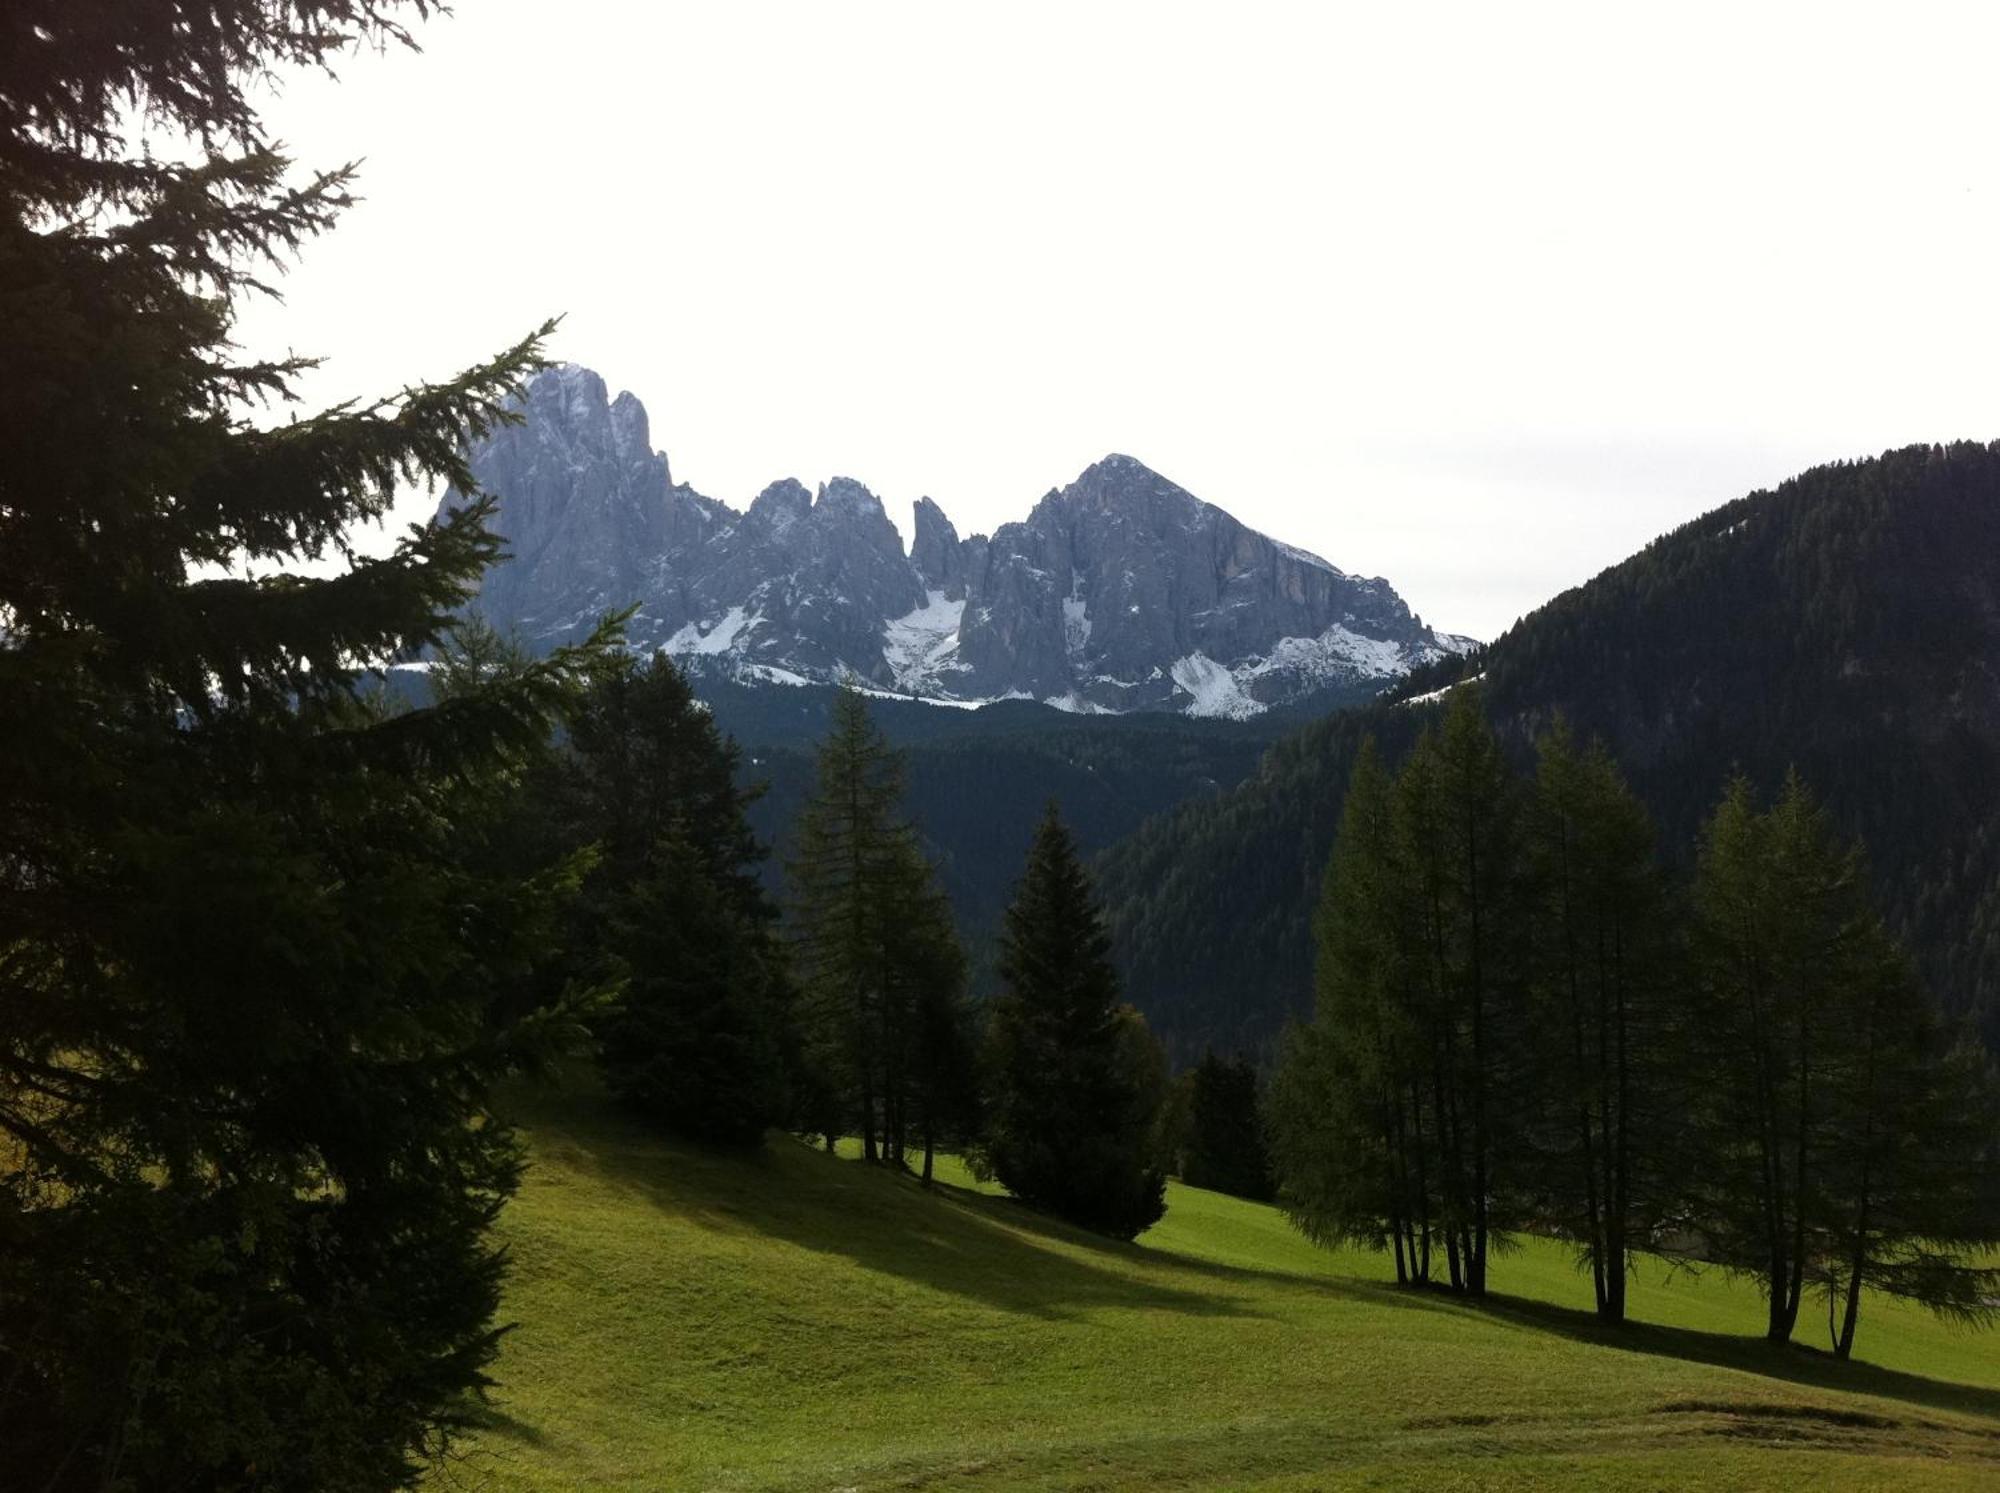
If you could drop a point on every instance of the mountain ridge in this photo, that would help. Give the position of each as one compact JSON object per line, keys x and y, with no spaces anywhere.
{"x":1844,"y":624}
{"x":1119,"y":592}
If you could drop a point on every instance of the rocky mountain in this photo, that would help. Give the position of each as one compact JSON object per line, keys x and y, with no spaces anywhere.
{"x":1120,"y":592}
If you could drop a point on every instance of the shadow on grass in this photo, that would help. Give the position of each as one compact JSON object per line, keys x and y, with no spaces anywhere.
{"x":1793,"y":1363}
{"x":994,"y":1250}
{"x":971,"y":1244}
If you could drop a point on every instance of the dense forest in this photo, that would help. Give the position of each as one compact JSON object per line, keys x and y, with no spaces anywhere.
{"x":975,"y":782}
{"x":1844,"y":624}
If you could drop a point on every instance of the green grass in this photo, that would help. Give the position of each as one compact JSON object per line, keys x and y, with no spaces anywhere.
{"x":794,"y":1320}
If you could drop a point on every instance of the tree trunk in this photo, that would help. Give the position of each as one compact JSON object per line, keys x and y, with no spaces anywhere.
{"x":867,"y":1118}
{"x":1795,"y":1293}
{"x":1475,"y":1277}
{"x":1620,"y":1179}
{"x":1844,"y":1345}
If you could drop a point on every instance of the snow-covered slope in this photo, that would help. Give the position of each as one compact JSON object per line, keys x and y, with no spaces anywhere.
{"x":1119,"y":592}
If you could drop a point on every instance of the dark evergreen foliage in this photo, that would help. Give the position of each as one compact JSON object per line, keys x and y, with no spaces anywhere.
{"x":1839,"y":1133}
{"x":1843,"y":624}
{"x":974,"y":782}
{"x":1606,"y":1149}
{"x":259,"y":964}
{"x":702,"y":1039}
{"x":1778,"y":1099}
{"x":1077,"y":1084}
{"x":1223,"y":1145}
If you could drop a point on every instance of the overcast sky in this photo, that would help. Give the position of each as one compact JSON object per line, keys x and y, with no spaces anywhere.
{"x":1476,"y":298}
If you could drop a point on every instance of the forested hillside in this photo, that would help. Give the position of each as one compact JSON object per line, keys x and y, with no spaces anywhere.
{"x":1847,"y":624}
{"x":978,"y":780}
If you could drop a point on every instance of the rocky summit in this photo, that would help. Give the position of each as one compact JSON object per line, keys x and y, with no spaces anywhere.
{"x":1119,"y":592}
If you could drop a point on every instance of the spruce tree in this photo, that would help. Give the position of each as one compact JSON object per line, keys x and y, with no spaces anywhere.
{"x":259,"y":971}
{"x":1077,"y":1088}
{"x":1225,"y":1149}
{"x":702,"y":1038}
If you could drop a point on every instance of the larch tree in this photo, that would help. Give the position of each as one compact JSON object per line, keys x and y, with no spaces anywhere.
{"x":1605,"y":1143}
{"x":1804,"y":1052}
{"x":1076,"y":1082}
{"x":1353,"y":1132}
{"x":256,"y":979}
{"x":1458,"y":839}
{"x":877,"y":957}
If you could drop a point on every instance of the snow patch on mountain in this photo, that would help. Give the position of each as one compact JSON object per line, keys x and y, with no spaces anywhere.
{"x":1076,"y":622}
{"x":919,"y":645}
{"x":1213,"y":690}
{"x":726,"y":635}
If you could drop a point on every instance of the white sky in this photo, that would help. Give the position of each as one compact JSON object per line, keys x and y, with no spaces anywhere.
{"x":1476,"y":298}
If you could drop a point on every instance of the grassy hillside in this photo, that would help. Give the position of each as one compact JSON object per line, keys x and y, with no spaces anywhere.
{"x":794,"y":1320}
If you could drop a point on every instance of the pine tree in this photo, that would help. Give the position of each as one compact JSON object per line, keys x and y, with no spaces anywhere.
{"x":1077,"y":1086}
{"x":703,"y":1037}
{"x":259,"y":971}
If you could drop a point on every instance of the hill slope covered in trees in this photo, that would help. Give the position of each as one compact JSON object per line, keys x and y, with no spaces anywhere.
{"x":1846,"y":624}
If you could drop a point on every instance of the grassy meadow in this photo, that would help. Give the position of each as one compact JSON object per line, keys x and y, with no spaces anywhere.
{"x":794,"y":1320}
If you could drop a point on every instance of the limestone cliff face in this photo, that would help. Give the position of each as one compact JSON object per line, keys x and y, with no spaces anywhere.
{"x":1121,"y":591}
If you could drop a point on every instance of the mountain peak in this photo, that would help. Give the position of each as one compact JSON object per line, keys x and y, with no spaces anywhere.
{"x":1120,"y":592}
{"x":844,"y":496}
{"x":781,"y":504}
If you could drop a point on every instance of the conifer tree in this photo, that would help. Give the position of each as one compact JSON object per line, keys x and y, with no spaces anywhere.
{"x":257,"y":969}
{"x":1606,"y":1004}
{"x":878,"y":959}
{"x":1457,"y":836}
{"x":703,"y":1037}
{"x":1352,"y":1128}
{"x":939,"y":1097}
{"x":1839,"y":1130}
{"x":1911,"y":1179}
{"x":1224,"y":1150}
{"x":1771,"y":927}
{"x":1077,"y":1086}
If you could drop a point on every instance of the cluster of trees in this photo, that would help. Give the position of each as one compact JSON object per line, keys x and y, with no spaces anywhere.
{"x":1843,"y":623}
{"x":1522,"y":1023}
{"x":844,"y":1012}
{"x":268,"y":943}
{"x":1215,"y":1125}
